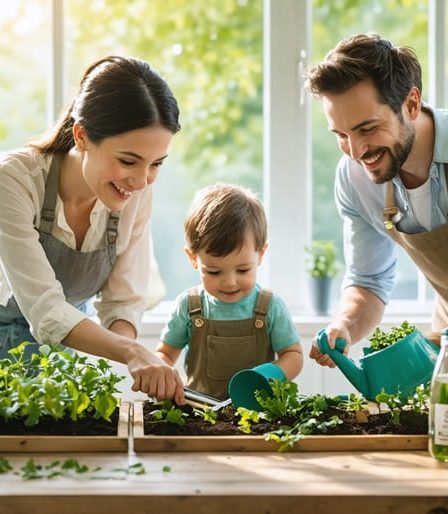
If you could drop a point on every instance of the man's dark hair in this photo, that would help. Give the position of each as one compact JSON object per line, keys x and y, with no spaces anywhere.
{"x":393,"y":70}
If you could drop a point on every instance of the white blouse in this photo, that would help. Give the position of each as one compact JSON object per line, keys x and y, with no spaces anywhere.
{"x":26,"y":272}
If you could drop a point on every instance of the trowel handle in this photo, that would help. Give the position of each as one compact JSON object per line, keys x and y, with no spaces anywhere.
{"x":324,"y":347}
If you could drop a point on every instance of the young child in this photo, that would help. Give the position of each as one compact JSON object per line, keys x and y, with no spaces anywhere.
{"x":228,"y":323}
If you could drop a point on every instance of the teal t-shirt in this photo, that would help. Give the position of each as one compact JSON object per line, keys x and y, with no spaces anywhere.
{"x":281,"y":329}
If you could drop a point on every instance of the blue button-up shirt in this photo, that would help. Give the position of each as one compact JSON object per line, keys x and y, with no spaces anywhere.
{"x":370,"y":254}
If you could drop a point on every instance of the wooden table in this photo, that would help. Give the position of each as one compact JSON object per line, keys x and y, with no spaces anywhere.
{"x":336,"y":483}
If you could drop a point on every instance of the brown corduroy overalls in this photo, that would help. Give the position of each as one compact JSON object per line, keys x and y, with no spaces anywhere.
{"x":219,"y":348}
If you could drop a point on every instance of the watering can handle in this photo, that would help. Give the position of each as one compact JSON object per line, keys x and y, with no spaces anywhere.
{"x":324,"y":347}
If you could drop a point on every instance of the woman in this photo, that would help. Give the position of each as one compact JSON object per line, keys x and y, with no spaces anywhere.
{"x":74,"y":222}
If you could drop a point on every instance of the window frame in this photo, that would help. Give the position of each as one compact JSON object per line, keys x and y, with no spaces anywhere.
{"x":287,"y":143}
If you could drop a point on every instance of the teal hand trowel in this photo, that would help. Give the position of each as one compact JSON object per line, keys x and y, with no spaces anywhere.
{"x":399,"y":368}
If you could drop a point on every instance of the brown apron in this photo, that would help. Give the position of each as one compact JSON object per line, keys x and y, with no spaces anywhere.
{"x":219,"y":348}
{"x":429,"y":251}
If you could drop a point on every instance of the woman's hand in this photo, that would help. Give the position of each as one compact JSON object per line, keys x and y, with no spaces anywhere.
{"x":153,"y":376}
{"x":334,"y":331}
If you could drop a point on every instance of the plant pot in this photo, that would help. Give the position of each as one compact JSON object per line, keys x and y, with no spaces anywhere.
{"x":320,"y":292}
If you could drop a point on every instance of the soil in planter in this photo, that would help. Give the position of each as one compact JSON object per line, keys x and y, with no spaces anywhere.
{"x":48,"y":426}
{"x":411,"y":422}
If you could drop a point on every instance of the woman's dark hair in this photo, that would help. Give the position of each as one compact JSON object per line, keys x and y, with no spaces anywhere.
{"x":393,"y":70}
{"x":116,"y":95}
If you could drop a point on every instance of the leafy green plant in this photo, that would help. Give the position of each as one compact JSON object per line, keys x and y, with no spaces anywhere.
{"x":57,"y":384}
{"x":354,"y":402}
{"x":420,"y":399}
{"x":306,"y":421}
{"x":207,"y":414}
{"x":288,"y":416}
{"x":283,"y":401}
{"x":169,"y":413}
{"x":418,"y":402}
{"x":380,"y":339}
{"x":247,"y":419}
{"x":5,"y":466}
{"x":321,"y":259}
{"x":394,"y":402}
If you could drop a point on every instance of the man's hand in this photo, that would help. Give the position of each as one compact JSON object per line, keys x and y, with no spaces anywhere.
{"x":434,"y":337}
{"x":334,"y":331}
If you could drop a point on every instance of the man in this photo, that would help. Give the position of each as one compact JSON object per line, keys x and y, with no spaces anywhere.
{"x":391,"y":184}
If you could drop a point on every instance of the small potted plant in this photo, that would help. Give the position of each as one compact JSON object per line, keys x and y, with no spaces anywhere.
{"x":322,"y":267}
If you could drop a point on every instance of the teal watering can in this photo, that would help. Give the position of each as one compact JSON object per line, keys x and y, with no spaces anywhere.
{"x":246,"y":382}
{"x":399,"y":368}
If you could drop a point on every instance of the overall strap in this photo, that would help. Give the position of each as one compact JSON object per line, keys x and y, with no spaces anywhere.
{"x":51,"y":193}
{"x":262,"y":307}
{"x":195,"y":307}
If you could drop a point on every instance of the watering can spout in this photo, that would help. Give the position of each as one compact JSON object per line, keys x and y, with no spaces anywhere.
{"x":355,"y":374}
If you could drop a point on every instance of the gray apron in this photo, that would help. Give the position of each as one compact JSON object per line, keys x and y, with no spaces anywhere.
{"x":81,"y":274}
{"x":429,"y":251}
{"x":219,"y":348}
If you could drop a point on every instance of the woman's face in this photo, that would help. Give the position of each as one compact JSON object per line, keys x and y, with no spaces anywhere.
{"x":120,"y":166}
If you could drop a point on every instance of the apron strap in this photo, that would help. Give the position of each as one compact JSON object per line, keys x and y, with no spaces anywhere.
{"x":261,"y":307}
{"x":390,"y":210}
{"x":112,"y":227}
{"x":49,"y":206}
{"x":195,"y":307}
{"x":51,"y":193}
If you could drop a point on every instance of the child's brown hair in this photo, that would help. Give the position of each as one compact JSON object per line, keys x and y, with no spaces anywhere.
{"x":221,"y":219}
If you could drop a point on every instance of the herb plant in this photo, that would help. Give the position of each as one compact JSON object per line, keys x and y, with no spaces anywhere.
{"x":247,"y":419}
{"x":418,"y":402}
{"x":56,"y":384}
{"x":321,"y":259}
{"x":380,"y":339}
{"x":169,"y":413}
{"x":283,"y":401}
{"x":355,"y":402}
{"x":207,"y":414}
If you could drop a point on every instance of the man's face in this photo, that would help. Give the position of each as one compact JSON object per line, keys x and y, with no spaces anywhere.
{"x":369,"y":131}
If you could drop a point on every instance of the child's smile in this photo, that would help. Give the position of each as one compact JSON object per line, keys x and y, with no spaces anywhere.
{"x":229,"y":278}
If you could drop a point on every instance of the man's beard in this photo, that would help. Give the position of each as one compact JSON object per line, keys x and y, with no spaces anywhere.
{"x":401,"y":151}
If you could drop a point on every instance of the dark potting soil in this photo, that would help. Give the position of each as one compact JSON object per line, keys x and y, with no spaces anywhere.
{"x":48,"y":426}
{"x":411,"y":422}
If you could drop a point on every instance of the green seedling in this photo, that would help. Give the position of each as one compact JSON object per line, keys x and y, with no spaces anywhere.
{"x":169,"y":413}
{"x":207,"y":414}
{"x":380,"y":339}
{"x":56,"y":384}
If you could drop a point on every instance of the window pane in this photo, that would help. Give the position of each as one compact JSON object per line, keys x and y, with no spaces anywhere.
{"x":211,"y":55}
{"x":405,"y":22}
{"x":24,"y":51}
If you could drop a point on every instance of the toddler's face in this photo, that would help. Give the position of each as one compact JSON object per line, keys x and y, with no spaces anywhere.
{"x":228,"y":278}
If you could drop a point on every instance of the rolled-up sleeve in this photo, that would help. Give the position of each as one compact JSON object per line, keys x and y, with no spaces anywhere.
{"x":370,"y":255}
{"x":24,"y":265}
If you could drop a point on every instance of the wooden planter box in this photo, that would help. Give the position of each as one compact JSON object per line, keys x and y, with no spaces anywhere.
{"x":70,"y":443}
{"x":247,"y":443}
